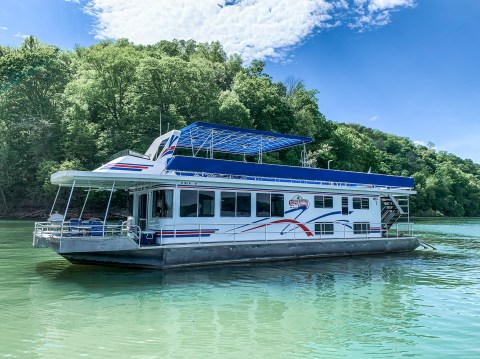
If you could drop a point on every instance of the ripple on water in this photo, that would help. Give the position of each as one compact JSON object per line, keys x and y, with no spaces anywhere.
{"x":419,"y":304}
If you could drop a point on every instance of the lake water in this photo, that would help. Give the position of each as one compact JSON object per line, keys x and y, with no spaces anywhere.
{"x":421,"y":304}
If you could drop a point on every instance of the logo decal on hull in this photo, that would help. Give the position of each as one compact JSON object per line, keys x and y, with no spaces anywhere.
{"x":298,"y":202}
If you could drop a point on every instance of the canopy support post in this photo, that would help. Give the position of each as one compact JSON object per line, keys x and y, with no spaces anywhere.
{"x":108,"y":207}
{"x":304,"y":156}
{"x":211,"y":145}
{"x":55,"y":201}
{"x":68,"y":203}
{"x":84,"y":204}
{"x":260,"y":151}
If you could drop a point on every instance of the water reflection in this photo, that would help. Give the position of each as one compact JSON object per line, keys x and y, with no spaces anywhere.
{"x":416,"y":304}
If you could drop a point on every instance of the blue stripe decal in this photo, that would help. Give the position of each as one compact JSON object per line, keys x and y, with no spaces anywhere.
{"x":325,"y":215}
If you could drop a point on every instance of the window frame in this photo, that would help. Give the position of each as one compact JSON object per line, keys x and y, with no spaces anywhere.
{"x":361,"y":203}
{"x":364,"y":228}
{"x":198,"y":204}
{"x":320,"y":201}
{"x":321,"y":228}
{"x":274,"y":210}
{"x":155,"y":195}
{"x":236,"y":196}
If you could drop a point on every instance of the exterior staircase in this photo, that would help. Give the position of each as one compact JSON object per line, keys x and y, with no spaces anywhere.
{"x":393,"y":208}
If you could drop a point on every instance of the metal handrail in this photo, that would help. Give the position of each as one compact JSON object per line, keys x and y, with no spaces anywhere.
{"x":398,"y":230}
{"x":289,"y":180}
{"x":82,"y":230}
{"x":235,"y":230}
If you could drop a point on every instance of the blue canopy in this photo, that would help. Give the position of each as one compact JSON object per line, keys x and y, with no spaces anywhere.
{"x":229,"y":139}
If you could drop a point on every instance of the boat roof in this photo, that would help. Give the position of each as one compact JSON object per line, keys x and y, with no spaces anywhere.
{"x":228,"y":139}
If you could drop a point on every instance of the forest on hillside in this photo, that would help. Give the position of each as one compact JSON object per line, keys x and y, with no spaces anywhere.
{"x":74,"y":109}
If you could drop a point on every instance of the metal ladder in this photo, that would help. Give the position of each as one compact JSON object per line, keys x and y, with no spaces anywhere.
{"x":393,"y":208}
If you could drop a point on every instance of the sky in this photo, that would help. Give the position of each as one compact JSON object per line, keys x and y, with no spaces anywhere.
{"x":406,"y":67}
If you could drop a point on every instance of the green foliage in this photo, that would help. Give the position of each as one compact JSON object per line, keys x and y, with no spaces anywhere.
{"x":64,"y":110}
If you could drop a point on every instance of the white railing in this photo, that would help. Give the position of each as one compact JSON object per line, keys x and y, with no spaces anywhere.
{"x":217,"y":232}
{"x":66,"y":229}
{"x":202,"y":233}
{"x":289,"y":180}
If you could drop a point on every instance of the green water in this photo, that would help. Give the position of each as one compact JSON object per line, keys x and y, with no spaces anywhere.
{"x":422,"y":304}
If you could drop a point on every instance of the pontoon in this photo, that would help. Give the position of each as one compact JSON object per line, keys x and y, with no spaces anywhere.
{"x":202,"y":210}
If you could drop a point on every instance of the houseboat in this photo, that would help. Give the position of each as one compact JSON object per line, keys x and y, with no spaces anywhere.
{"x":202,"y":210}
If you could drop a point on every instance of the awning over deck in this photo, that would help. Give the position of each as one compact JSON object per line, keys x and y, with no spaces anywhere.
{"x":228,"y":139}
{"x":102,"y":180}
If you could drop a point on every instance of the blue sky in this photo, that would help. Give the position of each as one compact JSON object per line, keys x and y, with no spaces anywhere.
{"x":407,"y":67}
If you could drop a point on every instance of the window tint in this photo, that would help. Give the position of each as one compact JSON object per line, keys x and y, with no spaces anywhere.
{"x":361,"y":228}
{"x":323,"y":202}
{"x":344,"y":205}
{"x":361,"y":203}
{"x":322,"y":228}
{"x":244,"y":204}
{"x":365,"y":203}
{"x":227,"y":205}
{"x":270,"y":205}
{"x":263,"y":204}
{"x":188,"y":203}
{"x":206,"y":201}
{"x":163,"y":203}
{"x":277,"y":205}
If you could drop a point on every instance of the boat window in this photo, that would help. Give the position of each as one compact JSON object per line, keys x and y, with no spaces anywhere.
{"x":361,"y":203}
{"x":244,"y":204}
{"x":227,"y":204}
{"x":270,"y":205}
{"x":236,"y":204}
{"x":206,"y":201}
{"x":322,"y":228}
{"x":361,"y":228}
{"x":344,"y":205}
{"x":277,"y":205}
{"x":163,"y":203}
{"x":188,"y":203}
{"x":263,"y":204}
{"x":323,"y":202}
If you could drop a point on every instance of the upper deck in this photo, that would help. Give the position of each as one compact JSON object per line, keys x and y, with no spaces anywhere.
{"x":132,"y":171}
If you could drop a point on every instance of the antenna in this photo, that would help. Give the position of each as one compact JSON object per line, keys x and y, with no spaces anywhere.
{"x":160,"y":120}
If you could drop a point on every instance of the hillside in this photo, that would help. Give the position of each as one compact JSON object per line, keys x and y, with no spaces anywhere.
{"x":73,"y":109}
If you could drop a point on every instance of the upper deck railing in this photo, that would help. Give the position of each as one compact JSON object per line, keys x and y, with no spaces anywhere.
{"x":289,"y":180}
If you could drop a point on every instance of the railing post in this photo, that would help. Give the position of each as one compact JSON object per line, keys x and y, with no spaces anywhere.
{"x":199,"y":233}
{"x":108,"y":207}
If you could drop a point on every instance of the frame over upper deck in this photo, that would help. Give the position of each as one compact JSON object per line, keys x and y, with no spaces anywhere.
{"x":201,"y":136}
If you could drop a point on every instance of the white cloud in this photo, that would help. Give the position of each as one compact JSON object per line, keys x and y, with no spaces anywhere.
{"x":3,"y":28}
{"x":256,"y":29}
{"x":375,"y":5}
{"x":374,"y":118}
{"x":20,"y":35}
